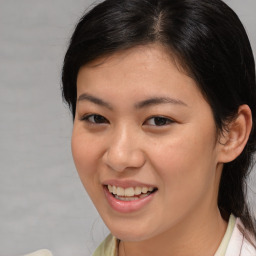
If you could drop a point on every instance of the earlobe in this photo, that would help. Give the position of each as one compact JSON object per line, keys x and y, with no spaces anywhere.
{"x":234,"y":139}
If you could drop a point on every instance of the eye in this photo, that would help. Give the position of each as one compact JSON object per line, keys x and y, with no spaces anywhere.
{"x":95,"y":119}
{"x":158,"y":121}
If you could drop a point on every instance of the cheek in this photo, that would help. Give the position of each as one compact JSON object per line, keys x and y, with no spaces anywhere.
{"x":186,"y":165}
{"x":187,"y":180}
{"x":84,"y":153}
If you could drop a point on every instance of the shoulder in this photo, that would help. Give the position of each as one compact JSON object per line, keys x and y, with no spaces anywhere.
{"x":242,"y":242}
{"x":43,"y":252}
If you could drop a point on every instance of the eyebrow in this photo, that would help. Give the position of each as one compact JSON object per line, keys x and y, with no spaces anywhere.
{"x":95,"y":100}
{"x":159,"y":100}
{"x":142,"y":104}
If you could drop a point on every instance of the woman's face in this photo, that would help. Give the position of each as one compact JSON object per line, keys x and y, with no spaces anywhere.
{"x":144,"y":144}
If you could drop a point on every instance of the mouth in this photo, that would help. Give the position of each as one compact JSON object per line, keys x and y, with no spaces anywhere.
{"x":130,"y":193}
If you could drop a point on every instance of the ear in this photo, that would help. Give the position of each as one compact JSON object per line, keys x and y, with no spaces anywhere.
{"x":233,"y":141}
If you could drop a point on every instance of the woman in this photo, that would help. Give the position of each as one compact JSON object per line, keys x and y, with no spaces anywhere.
{"x":163,"y":99}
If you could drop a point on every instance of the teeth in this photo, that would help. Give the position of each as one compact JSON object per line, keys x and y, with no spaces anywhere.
{"x":120,"y":191}
{"x":129,"y":192}
{"x":137,"y":191}
{"x":110,"y":188}
{"x":144,"y":190}
{"x":126,"y":198}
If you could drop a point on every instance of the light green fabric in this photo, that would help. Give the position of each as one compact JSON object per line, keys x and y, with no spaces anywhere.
{"x":109,"y":247}
{"x":225,"y":241}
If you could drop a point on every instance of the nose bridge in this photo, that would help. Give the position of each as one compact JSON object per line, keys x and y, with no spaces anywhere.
{"x":121,"y":137}
{"x":124,"y":150}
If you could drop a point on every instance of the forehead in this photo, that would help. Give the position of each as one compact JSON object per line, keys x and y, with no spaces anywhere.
{"x":137,"y":72}
{"x":153,"y":52}
{"x":149,"y":63}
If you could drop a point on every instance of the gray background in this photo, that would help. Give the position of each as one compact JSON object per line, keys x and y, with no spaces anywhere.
{"x":42,"y":203}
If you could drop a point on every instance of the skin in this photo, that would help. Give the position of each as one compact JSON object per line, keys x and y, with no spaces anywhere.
{"x":182,"y":157}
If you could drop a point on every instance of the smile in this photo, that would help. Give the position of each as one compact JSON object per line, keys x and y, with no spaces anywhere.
{"x":129,"y":197}
{"x":131,"y":193}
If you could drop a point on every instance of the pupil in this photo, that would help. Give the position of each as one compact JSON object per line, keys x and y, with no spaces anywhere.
{"x":160,"y":121}
{"x":99,"y":119}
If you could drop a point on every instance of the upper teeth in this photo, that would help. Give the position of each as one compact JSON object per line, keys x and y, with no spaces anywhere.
{"x":129,"y":191}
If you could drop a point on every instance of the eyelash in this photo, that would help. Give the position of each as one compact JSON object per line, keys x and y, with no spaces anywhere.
{"x":86,"y":118}
{"x":167,"y":121}
{"x":102,"y":120}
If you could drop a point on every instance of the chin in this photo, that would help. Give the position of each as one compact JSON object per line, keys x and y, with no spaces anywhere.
{"x":130,"y":237}
{"x":133,"y":233}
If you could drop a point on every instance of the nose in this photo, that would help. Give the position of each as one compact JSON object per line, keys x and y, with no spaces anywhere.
{"x":124,"y":151}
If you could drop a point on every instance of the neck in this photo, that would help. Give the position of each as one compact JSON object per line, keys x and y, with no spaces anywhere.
{"x":195,"y":237}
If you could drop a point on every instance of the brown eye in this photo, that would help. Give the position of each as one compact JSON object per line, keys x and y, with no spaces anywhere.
{"x":96,"y":119}
{"x":158,"y":121}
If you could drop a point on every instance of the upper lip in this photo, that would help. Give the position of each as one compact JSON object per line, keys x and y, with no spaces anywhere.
{"x":127,"y":183}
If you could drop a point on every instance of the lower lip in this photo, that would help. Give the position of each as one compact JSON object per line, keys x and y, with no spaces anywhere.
{"x":127,"y":206}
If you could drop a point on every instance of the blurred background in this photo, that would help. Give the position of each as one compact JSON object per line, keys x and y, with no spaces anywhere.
{"x":42,"y":203}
